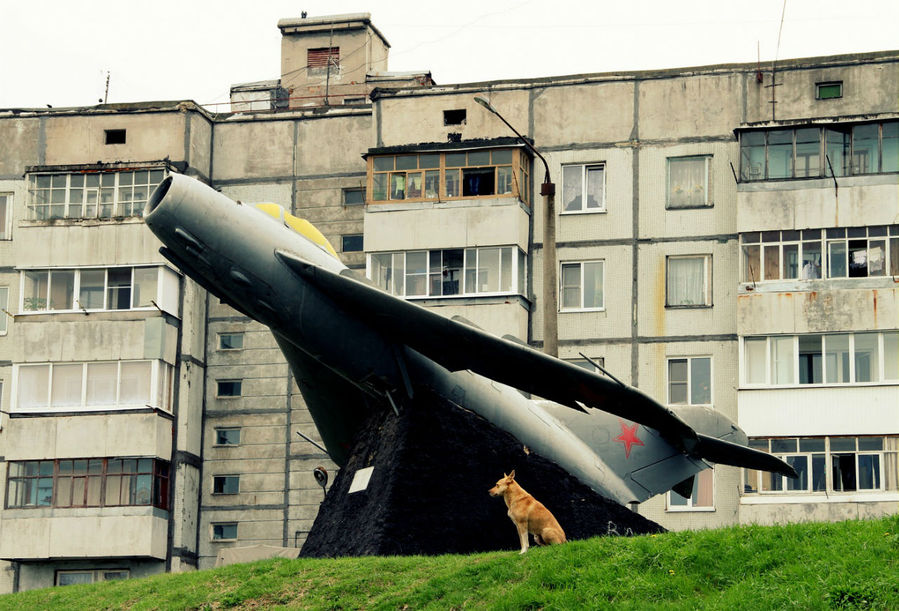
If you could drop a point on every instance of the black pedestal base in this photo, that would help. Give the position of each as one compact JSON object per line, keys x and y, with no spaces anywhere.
{"x":433,"y":465}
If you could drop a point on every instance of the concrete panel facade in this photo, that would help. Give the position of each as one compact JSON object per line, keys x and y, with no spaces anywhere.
{"x":132,"y":534}
{"x":87,"y":436}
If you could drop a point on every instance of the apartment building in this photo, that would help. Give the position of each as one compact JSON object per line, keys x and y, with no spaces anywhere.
{"x":710,"y":250}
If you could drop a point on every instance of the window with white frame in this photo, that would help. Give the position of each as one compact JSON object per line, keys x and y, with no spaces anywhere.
{"x":811,"y":254}
{"x":581,"y":285}
{"x":583,"y":188}
{"x":450,"y":272}
{"x":92,"y":386}
{"x":702,"y":497}
{"x":73,"y":577}
{"x":91,"y":194}
{"x":4,"y":308}
{"x":827,"y":465}
{"x":690,"y":380}
{"x":821,"y":359}
{"x":5,"y":216}
{"x":689,"y":281}
{"x":688,"y":182}
{"x":97,"y":289}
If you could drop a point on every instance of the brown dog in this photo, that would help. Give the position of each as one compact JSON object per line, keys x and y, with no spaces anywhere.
{"x":528,"y":514}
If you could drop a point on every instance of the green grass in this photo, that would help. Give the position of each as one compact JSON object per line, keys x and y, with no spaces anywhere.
{"x":847,"y":565}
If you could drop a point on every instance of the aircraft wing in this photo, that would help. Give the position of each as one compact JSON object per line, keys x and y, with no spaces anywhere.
{"x":458,"y":346}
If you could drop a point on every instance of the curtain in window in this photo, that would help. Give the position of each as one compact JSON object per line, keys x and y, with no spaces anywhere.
{"x":685,"y":281}
{"x":687,"y":182}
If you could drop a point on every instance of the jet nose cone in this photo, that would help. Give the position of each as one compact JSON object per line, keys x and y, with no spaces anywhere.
{"x":157,"y":196}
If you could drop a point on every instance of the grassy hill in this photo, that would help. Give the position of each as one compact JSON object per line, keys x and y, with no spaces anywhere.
{"x":847,"y":565}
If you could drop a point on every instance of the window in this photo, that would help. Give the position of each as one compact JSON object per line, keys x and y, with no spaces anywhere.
{"x":115,"y":136}
{"x":68,"y":578}
{"x":88,"y":482}
{"x":5,"y":216}
{"x":827,"y":465}
{"x":4,"y":305}
{"x":227,"y":436}
{"x":318,"y":60}
{"x":585,"y":364}
{"x":816,"y":152}
{"x":583,"y":188}
{"x":450,"y":272}
{"x":821,"y":359}
{"x":690,"y":381}
{"x":702,"y":497}
{"x":351,"y":243}
{"x":231,"y":341}
{"x":828,"y":91}
{"x":581,"y":286}
{"x":689,"y":281}
{"x":450,"y":175}
{"x":454,"y":117}
{"x":353,"y":197}
{"x":91,"y":194}
{"x":227,"y":388}
{"x":811,"y":254}
{"x":114,"y":288}
{"x":224,"y":531}
{"x":688,"y":182}
{"x":92,"y":386}
{"x":225,"y":484}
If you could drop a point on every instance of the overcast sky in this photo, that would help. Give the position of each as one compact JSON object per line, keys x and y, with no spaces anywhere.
{"x":59,"y":51}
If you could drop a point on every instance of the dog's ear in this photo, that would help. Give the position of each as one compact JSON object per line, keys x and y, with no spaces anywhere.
{"x":512,"y":474}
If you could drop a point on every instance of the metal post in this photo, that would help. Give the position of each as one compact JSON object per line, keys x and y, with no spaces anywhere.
{"x":550,"y":294}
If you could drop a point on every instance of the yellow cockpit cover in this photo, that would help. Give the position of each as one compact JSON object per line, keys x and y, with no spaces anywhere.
{"x":301,"y":226}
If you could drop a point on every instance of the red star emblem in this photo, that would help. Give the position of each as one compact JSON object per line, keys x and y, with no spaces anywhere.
{"x":628,"y":437}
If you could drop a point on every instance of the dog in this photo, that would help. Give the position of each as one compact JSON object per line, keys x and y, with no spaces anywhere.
{"x":528,"y":514}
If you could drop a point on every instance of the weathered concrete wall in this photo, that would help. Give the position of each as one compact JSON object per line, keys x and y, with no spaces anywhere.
{"x":819,"y":307}
{"x":36,"y":575}
{"x":450,"y":225}
{"x":22,"y":144}
{"x":814,"y":511}
{"x":570,"y":116}
{"x":74,"y":139}
{"x":617,"y":221}
{"x":88,"y":436}
{"x":858,"y":201}
{"x":867,"y":88}
{"x":657,"y":221}
{"x":655,"y":319}
{"x":65,"y":243}
{"x":406,"y":120}
{"x":131,"y":532}
{"x":360,"y":52}
{"x":689,"y":106}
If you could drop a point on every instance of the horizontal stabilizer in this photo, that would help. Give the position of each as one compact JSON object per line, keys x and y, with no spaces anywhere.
{"x":727,"y":453}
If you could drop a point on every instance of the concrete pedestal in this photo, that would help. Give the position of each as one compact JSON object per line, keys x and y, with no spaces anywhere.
{"x":427,"y":494}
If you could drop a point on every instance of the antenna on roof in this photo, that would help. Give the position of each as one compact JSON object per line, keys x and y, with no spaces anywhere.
{"x":774,"y":84}
{"x":106,"y":93}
